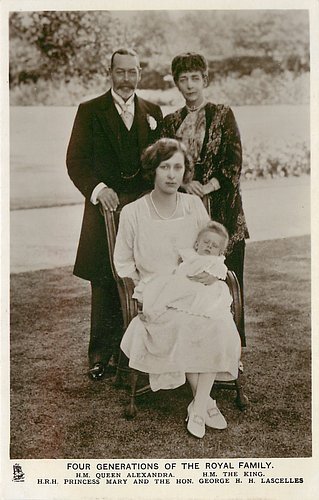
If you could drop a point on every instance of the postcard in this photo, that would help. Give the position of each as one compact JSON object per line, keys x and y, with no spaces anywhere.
{"x":100,"y":104}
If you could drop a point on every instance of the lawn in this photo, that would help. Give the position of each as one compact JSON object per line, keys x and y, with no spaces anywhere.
{"x":39,"y":137}
{"x":57,"y":412}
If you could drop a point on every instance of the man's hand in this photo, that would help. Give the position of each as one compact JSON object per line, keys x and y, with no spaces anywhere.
{"x":194,"y":187}
{"x":108,"y":199}
{"x":204,"y":278}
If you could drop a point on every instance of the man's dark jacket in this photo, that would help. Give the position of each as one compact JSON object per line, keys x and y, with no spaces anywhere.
{"x":95,"y":155}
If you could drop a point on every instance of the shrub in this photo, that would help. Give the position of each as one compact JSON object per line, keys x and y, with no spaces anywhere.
{"x":57,"y":93}
{"x":255,"y":89}
{"x":261,"y":88}
{"x":258,"y":88}
{"x":275,"y":158}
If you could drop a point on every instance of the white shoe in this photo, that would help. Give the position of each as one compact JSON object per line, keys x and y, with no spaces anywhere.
{"x":214,"y":418}
{"x":195,"y":423}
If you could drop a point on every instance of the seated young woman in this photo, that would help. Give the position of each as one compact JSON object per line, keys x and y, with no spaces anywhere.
{"x":180,"y":346}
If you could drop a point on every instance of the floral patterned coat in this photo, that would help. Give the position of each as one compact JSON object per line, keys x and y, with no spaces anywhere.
{"x":220,"y":157}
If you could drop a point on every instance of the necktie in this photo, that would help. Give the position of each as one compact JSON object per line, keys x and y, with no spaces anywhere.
{"x":127,"y":117}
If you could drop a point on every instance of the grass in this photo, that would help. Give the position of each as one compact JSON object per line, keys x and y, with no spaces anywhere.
{"x":39,"y":137}
{"x":57,"y":412}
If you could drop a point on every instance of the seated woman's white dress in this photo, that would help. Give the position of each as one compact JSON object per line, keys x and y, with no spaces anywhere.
{"x":178,"y":292}
{"x":176,"y":343}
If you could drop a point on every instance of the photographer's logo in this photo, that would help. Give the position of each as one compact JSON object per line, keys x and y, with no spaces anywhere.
{"x":18,"y":474}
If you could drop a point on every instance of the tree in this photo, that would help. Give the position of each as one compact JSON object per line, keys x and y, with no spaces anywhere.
{"x":60,"y":44}
{"x":65,"y":44}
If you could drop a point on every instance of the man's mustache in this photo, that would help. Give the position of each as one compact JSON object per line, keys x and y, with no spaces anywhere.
{"x":126,"y":85}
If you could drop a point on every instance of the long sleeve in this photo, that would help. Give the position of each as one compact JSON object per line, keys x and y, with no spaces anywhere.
{"x":124,"y":246}
{"x":193,"y":263}
{"x":80,"y":156}
{"x":230,"y":153}
{"x":217,"y":268}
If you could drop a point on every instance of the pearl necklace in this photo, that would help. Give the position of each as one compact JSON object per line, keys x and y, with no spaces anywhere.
{"x":157,"y":212}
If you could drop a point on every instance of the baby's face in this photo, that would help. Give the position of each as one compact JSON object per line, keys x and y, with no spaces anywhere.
{"x":209,"y":243}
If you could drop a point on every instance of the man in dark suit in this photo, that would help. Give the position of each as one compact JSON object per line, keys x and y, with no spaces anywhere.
{"x":103,"y":161}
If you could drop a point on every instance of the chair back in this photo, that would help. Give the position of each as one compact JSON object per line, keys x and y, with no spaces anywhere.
{"x":206,"y":203}
{"x":111,"y":220}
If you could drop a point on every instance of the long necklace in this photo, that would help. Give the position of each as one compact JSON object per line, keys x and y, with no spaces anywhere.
{"x":157,"y":212}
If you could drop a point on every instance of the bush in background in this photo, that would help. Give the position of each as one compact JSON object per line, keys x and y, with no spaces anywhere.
{"x":67,"y":44}
{"x":268,"y":159}
{"x":261,"y":88}
{"x":57,"y":92}
{"x":254,"y":57}
{"x":256,"y":89}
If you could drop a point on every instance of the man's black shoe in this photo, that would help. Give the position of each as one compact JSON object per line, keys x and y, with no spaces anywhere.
{"x":100,"y":370}
{"x":97,"y":371}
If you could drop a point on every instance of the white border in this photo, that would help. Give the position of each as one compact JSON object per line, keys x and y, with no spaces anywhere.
{"x":307,"y":467}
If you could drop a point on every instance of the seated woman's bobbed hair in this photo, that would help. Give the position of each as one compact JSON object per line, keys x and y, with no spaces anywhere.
{"x":162,"y":150}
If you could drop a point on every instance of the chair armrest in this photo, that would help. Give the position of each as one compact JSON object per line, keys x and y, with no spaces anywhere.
{"x":111,"y":220}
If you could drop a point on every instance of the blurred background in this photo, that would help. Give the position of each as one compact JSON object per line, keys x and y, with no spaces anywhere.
{"x":256,"y":58}
{"x":258,"y":64}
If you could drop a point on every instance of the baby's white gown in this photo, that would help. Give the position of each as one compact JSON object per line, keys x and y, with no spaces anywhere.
{"x":177,"y":291}
{"x":175,"y":342}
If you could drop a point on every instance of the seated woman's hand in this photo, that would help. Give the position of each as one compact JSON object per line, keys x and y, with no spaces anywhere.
{"x":204,"y":278}
{"x":194,"y":187}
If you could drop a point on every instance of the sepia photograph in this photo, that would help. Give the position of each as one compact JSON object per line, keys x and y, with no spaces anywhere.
{"x":160,"y":171}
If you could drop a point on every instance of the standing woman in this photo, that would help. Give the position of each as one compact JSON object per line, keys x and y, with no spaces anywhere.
{"x":212,"y":138}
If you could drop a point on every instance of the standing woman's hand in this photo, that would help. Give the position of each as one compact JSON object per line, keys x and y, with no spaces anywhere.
{"x":212,"y":185}
{"x":194,"y":187}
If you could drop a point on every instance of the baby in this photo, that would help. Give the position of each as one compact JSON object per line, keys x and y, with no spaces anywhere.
{"x":186,"y":289}
{"x":207,"y":254}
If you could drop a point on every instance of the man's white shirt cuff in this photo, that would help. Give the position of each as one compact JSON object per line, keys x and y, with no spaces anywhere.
{"x":96,"y":191}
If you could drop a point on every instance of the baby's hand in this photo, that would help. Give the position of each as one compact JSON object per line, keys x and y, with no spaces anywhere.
{"x":204,"y":278}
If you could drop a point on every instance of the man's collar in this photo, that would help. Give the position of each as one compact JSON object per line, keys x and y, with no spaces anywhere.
{"x":120,"y":101}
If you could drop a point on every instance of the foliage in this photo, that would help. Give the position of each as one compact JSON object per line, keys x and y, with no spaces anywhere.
{"x":57,"y":92}
{"x":64,"y":43}
{"x":275,"y":144}
{"x":261,"y":88}
{"x":59,"y":45}
{"x":258,"y":88}
{"x":147,"y":31}
{"x":275,"y":158}
{"x":276,"y":35}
